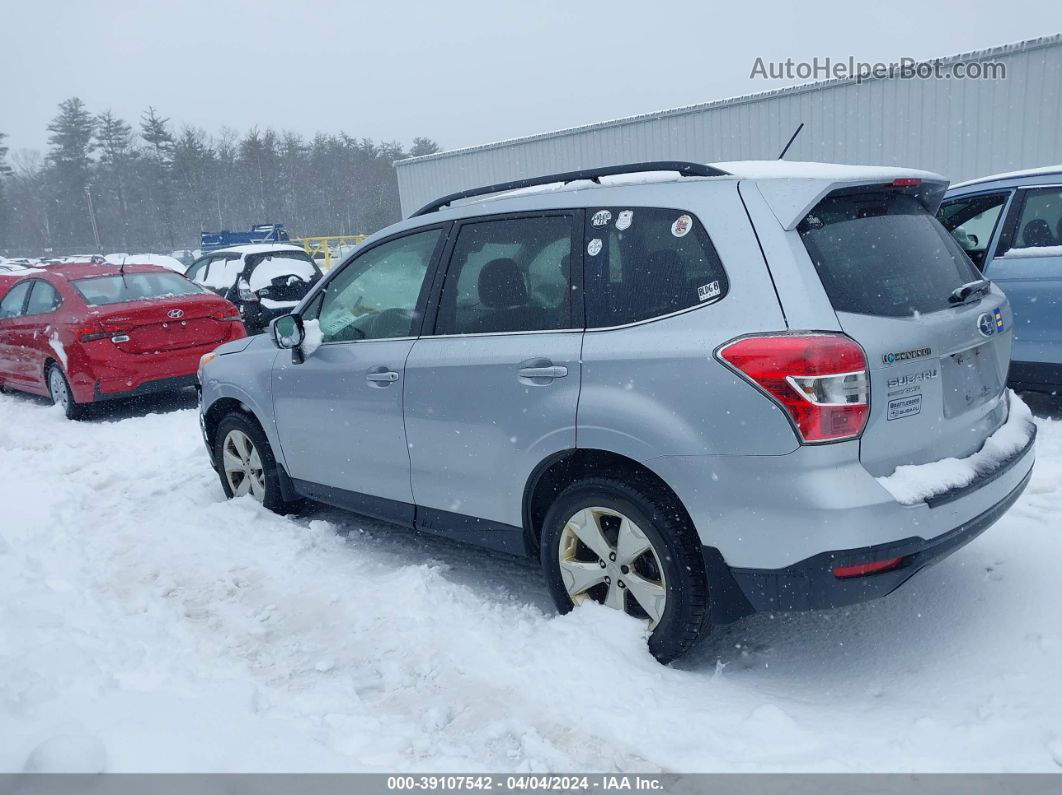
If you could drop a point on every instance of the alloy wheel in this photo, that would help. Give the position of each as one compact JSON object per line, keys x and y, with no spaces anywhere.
{"x":243,"y":466}
{"x":57,"y":386}
{"x":606,"y":557}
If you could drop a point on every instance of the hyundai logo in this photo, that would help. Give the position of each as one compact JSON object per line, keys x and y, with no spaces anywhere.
{"x":986,"y":326}
{"x":176,"y":313}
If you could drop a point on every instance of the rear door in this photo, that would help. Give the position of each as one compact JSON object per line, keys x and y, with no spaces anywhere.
{"x":493,"y":391}
{"x":937,"y":366}
{"x":1028,"y":267}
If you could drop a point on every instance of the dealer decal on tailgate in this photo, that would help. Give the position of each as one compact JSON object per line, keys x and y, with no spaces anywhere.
{"x":905,"y":407}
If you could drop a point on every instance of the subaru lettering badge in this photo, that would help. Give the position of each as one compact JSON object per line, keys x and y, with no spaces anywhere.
{"x":986,"y":325}
{"x":176,"y":313}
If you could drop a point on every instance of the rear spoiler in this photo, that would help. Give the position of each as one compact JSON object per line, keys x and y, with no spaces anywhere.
{"x":792,"y":193}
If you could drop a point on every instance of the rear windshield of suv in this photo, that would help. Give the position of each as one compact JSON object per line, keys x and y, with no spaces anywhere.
{"x":883,"y":254}
{"x":103,"y":290}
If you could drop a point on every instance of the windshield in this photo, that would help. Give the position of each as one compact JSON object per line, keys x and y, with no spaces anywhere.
{"x":119,"y":289}
{"x":883,"y":254}
{"x":288,"y":263}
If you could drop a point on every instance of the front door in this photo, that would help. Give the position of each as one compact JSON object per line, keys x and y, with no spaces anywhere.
{"x":12,"y":355}
{"x":493,"y":391}
{"x":339,"y":412}
{"x":1028,"y":267}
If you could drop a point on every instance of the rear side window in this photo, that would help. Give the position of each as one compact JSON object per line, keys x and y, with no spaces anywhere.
{"x":1038,"y":232}
{"x":510,"y":274}
{"x":103,"y":290}
{"x":883,"y":254}
{"x":43,"y":299}
{"x":13,"y":302}
{"x":644,"y":262}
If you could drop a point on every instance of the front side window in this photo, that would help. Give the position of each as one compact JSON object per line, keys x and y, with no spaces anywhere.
{"x":120,"y":289}
{"x":375,"y":296}
{"x":1038,"y":232}
{"x":15,"y":299}
{"x":646,"y":262}
{"x":508,"y":275}
{"x":43,"y":299}
{"x":971,"y":221}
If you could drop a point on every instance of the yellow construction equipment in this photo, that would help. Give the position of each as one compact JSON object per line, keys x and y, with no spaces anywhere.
{"x":332,"y":247}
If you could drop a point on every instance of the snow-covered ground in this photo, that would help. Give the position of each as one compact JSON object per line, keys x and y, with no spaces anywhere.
{"x":146,"y":624}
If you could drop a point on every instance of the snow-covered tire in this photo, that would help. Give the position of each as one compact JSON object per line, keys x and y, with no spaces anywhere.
{"x":669,"y":568}
{"x":240,"y":435}
{"x":59,"y":392}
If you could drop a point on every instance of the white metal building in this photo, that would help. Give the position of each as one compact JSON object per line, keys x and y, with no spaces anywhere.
{"x":960,"y":128}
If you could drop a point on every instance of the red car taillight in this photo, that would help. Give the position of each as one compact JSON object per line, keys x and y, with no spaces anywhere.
{"x":820,"y":380}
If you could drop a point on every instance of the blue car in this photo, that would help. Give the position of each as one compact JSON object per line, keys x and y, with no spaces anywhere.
{"x":1011,"y":227}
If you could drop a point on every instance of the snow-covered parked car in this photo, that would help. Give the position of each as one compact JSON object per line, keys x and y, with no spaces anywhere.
{"x":265,"y":280}
{"x":691,"y":396}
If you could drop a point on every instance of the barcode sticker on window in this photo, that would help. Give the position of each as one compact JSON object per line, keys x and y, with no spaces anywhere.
{"x":706,"y":291}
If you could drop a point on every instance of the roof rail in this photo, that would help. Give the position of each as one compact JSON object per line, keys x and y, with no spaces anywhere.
{"x":592,"y":174}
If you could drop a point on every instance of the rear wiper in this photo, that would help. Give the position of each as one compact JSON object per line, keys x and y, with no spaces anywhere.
{"x":960,"y":294}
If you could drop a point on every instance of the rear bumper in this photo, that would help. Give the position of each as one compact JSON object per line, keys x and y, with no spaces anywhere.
{"x":108,"y":373}
{"x":149,"y":388}
{"x":811,"y":584}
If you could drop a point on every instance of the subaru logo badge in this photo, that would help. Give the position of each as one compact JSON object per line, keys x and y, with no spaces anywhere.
{"x":176,"y":313}
{"x":986,"y":325}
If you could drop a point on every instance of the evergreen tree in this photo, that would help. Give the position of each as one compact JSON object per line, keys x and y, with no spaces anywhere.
{"x":70,"y":162}
{"x":423,"y":146}
{"x":155,"y":130}
{"x":114,"y":140}
{"x":5,"y":172}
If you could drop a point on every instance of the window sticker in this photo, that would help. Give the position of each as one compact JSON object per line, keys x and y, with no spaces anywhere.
{"x":682,"y":226}
{"x":710,"y":290}
{"x":594,"y":247}
{"x":601,"y":218}
{"x":623,"y":221}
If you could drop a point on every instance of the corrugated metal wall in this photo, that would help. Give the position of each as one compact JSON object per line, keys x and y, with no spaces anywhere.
{"x":959,"y":128}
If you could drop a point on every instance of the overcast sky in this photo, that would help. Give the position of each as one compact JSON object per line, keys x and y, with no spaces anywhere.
{"x":463,"y":73}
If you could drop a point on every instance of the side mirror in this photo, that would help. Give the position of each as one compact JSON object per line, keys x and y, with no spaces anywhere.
{"x":288,"y":332}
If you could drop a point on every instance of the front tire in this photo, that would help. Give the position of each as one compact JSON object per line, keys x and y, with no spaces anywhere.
{"x":246,"y":463}
{"x":59,"y":391}
{"x":610,"y":542}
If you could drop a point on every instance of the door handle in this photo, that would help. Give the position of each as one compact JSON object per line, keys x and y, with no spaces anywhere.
{"x":554,"y":371}
{"x":385,"y":376}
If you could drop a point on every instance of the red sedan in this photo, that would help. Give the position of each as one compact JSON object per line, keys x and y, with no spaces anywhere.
{"x":82,"y":333}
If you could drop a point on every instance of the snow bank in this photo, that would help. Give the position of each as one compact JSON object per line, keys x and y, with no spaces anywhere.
{"x":917,"y":483}
{"x":148,"y":624}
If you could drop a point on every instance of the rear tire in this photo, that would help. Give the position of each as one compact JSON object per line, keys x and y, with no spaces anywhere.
{"x":246,"y":464}
{"x":637,"y":536}
{"x":59,"y":392}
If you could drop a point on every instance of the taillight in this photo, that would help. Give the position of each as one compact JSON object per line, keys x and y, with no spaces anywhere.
{"x":230,"y":313}
{"x":863,"y":569}
{"x":820,"y":380}
{"x":906,"y":182}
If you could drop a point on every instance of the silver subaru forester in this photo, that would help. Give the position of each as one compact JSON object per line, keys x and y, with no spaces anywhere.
{"x":684,"y":388}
